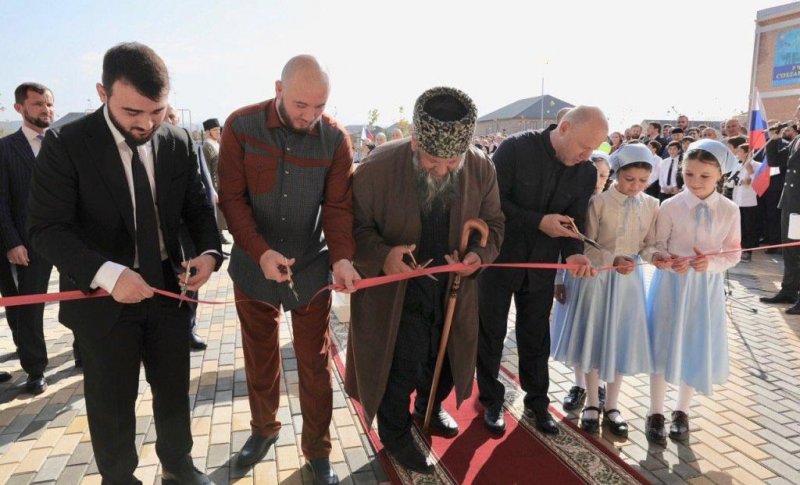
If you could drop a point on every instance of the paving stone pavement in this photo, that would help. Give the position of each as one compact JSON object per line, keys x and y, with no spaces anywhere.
{"x":747,"y":432}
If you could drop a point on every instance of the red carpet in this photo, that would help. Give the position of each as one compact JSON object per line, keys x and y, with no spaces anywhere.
{"x":520,"y":456}
{"x":476,"y":456}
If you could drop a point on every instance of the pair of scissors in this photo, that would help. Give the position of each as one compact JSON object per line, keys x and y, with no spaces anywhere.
{"x":424,"y":265}
{"x":186,"y":274}
{"x":290,"y":281}
{"x":591,"y":242}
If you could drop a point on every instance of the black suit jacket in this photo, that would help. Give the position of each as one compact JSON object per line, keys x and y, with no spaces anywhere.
{"x":787,"y":157}
{"x":81,"y":215}
{"x":16,"y":166}
{"x":533,"y":183}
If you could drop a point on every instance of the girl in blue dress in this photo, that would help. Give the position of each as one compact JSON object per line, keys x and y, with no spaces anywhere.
{"x":686,"y":302}
{"x":566,"y":291}
{"x":605,"y":331}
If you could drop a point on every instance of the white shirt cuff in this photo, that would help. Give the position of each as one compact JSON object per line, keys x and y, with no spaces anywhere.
{"x":107,"y":276}
{"x":212,"y":251}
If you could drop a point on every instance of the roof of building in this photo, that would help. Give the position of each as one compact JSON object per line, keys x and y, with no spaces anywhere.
{"x":68,"y":118}
{"x":777,"y":11}
{"x":692,"y":123}
{"x":530,"y":108}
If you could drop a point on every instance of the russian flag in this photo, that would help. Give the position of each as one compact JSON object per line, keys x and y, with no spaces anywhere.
{"x":758,"y":124}
{"x":761,"y":178}
{"x":365,"y":134}
{"x":757,"y":139}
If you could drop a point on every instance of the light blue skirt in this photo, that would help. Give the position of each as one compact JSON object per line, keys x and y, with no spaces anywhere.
{"x":686,"y":316}
{"x":603,"y":325}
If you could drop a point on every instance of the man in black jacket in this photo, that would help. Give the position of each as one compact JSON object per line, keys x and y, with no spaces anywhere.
{"x":545,"y":182}
{"x":787,"y":157}
{"x":26,"y":272}
{"x":107,"y":197}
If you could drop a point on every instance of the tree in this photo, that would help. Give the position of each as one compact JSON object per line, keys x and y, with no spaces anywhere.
{"x":372,"y":118}
{"x":403,"y":123}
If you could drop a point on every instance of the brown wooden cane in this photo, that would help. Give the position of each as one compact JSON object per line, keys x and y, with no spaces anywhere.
{"x":469,"y":226}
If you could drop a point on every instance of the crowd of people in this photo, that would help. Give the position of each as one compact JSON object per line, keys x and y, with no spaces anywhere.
{"x":122,"y":201}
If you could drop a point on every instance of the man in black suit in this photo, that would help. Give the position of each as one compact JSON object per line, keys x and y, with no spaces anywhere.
{"x":26,"y":272}
{"x":545,"y":183}
{"x":189,"y":251}
{"x":108,"y":194}
{"x":787,"y":157}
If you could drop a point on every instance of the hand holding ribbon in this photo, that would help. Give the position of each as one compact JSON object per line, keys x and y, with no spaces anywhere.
{"x":584,"y":270}
{"x":624,"y":265}
{"x":699,"y":262}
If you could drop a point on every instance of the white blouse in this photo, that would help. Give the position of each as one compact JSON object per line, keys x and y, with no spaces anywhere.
{"x":711,"y":225}
{"x":621,"y":225}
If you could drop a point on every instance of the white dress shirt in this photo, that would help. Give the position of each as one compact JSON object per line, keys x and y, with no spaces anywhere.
{"x":683,"y":225}
{"x":656,"y":172}
{"x":33,"y":139}
{"x":109,"y":272}
{"x":621,"y":225}
{"x":743,"y":193}
{"x":663,"y":172}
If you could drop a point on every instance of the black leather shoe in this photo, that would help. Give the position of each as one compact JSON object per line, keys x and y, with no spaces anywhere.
{"x":413,"y":459}
{"x":35,"y":385}
{"x":196,"y":343}
{"x":323,"y":473}
{"x":590,"y":425}
{"x":543,"y":420}
{"x":794,"y":309}
{"x":780,"y":297}
{"x":5,"y":376}
{"x":495,"y":422}
{"x":654,"y":429}
{"x":189,"y":476}
{"x":574,"y":399}
{"x":617,"y":427}
{"x":679,"y":429}
{"x":442,"y":424}
{"x":254,"y":449}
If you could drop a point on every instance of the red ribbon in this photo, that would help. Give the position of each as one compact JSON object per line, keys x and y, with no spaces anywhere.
{"x":360,"y":284}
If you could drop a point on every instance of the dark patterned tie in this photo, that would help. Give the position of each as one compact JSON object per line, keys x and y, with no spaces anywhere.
{"x":146,"y":225}
{"x":669,"y":172}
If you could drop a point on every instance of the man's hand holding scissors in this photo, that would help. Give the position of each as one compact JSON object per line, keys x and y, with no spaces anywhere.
{"x":203,"y":266}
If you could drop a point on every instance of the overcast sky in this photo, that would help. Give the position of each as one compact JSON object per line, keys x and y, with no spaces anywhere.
{"x":636,"y":60}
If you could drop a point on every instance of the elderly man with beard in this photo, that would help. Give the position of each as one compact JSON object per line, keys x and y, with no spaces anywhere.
{"x":413,"y":197}
{"x":285,"y":178}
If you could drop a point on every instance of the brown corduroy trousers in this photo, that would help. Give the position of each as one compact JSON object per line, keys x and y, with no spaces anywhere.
{"x":262,"y":365}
